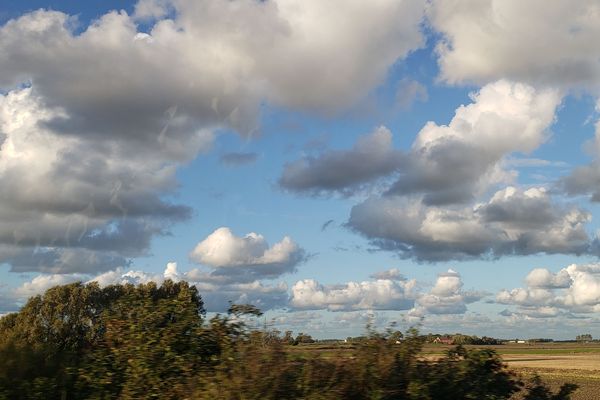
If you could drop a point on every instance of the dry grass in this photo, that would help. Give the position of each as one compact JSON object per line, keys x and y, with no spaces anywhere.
{"x":558,"y":364}
{"x":584,"y":362}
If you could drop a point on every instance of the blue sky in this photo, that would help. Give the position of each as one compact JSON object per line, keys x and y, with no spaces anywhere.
{"x":429,"y":163}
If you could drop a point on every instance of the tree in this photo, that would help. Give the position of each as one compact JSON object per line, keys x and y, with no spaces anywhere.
{"x":303,"y":338}
{"x":42,"y":345}
{"x":586,"y":337}
{"x":151,"y":345}
{"x":288,"y":338}
{"x":396,"y":336}
{"x":81,"y":341}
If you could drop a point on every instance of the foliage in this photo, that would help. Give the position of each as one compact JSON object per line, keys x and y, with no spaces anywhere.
{"x":151,"y":344}
{"x":537,"y":390}
{"x":459,"y":339}
{"x":81,"y":341}
{"x":466,"y":374}
{"x":303,"y":338}
{"x":586,"y":337}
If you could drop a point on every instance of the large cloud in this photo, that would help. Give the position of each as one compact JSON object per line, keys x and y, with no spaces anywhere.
{"x":344,"y":171}
{"x":70,"y":204}
{"x":513,"y":221}
{"x":242,"y":259}
{"x":574,"y":289}
{"x":303,"y":54}
{"x":94,"y":122}
{"x":455,"y":162}
{"x":447,"y":163}
{"x":212,"y":60}
{"x":379,"y":294}
{"x":434,"y":210}
{"x":548,"y":43}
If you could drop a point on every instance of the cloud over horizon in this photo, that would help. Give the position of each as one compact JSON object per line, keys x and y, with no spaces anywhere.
{"x":574,"y":289}
{"x":90,"y":150}
{"x":380,"y":294}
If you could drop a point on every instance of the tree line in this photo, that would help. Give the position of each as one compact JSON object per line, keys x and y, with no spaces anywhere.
{"x":81,"y":341}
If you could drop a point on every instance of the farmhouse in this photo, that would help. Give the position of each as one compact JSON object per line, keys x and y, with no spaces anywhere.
{"x":443,"y":340}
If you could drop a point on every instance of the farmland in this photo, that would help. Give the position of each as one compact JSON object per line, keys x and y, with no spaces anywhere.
{"x":556,"y":363}
{"x":559,"y":364}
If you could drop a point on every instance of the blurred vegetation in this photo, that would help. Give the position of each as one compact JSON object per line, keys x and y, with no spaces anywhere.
{"x":80,"y":341}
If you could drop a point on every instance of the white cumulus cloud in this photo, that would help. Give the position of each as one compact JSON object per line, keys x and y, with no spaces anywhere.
{"x":540,"y":42}
{"x":446,"y":297}
{"x":573,"y":290}
{"x":246,"y":258}
{"x":512,"y":221}
{"x":380,"y":294}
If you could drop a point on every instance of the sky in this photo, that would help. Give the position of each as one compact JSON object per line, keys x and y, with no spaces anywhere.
{"x":405,"y":163}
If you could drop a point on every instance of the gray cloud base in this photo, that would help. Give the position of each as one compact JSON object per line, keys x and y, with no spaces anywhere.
{"x":489,"y":230}
{"x":344,"y":171}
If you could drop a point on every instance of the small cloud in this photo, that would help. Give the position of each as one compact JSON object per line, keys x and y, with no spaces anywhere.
{"x":327,"y":225}
{"x":243,"y":259}
{"x":513,"y":222}
{"x":533,"y":162}
{"x":446,"y":296}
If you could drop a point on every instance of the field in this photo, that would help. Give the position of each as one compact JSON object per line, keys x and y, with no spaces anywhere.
{"x":556,"y":363}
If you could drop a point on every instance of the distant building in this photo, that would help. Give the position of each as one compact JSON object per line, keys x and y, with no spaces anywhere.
{"x":443,"y":340}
